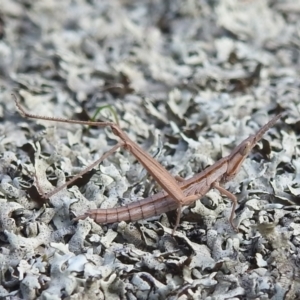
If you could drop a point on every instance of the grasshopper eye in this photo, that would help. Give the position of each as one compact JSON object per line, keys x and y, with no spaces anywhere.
{"x":245,"y":149}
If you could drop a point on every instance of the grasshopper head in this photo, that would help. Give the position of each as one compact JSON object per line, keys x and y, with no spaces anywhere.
{"x":239,"y":154}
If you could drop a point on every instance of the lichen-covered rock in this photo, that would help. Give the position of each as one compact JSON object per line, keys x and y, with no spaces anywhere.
{"x":187,"y":81}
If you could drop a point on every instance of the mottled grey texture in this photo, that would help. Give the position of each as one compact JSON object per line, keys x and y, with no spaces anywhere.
{"x":189,"y":78}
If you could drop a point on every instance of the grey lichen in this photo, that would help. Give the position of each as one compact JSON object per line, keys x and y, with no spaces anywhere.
{"x":188,"y":80}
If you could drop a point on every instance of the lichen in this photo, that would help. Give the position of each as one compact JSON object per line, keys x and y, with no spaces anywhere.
{"x":188,"y":81}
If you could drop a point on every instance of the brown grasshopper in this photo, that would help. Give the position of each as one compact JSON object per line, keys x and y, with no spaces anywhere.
{"x":176,"y":191}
